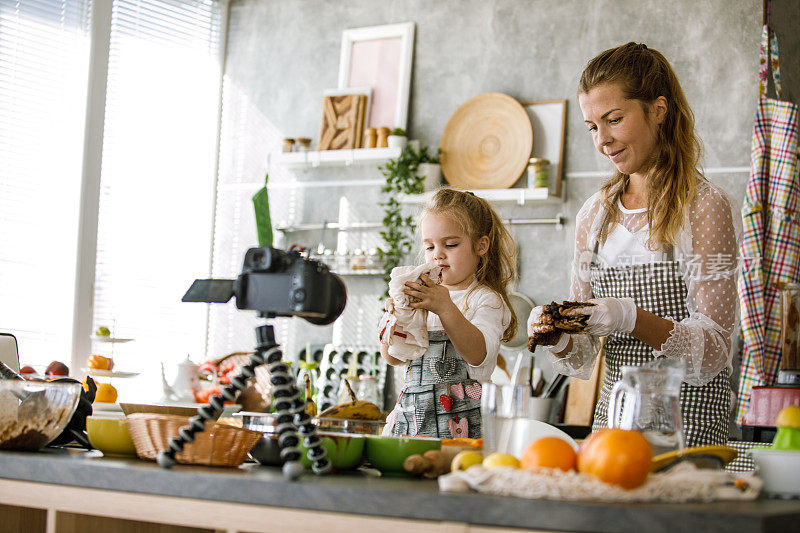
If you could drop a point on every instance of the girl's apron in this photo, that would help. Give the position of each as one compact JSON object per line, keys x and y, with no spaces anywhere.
{"x":658,"y":287}
{"x":439,"y":399}
{"x":771,"y":241}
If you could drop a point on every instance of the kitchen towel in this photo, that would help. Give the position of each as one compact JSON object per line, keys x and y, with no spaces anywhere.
{"x":770,"y":247}
{"x":402,"y":327}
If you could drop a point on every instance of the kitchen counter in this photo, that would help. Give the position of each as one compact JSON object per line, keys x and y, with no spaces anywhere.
{"x":125,"y":488}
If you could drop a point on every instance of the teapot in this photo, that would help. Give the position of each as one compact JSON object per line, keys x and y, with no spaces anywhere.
{"x":187,"y":381}
{"x":647,"y":399}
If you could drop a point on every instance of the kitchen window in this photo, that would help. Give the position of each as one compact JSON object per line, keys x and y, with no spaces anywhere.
{"x":138,"y":208}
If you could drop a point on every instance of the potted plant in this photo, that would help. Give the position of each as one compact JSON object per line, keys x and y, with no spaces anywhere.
{"x":401,"y":178}
{"x":397,"y":138}
{"x":430,"y":169}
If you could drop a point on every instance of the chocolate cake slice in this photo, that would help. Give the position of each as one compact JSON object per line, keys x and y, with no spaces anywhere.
{"x":555,"y":319}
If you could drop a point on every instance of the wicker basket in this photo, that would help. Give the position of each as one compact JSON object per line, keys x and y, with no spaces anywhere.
{"x":218,"y":445}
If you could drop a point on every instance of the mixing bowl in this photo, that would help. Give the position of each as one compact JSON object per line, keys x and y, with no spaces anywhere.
{"x":387,"y":454}
{"x":109,"y":434}
{"x":780,"y":470}
{"x":32,"y":413}
{"x":345,"y":451}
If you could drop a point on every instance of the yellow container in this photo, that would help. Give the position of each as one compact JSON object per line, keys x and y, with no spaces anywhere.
{"x":110,"y":435}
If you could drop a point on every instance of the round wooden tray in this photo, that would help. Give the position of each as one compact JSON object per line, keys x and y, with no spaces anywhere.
{"x":487,"y":143}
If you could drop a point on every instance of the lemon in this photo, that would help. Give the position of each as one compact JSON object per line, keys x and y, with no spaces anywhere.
{"x":466,"y":459}
{"x":789,"y":417}
{"x":495,"y":460}
{"x":106,"y":393}
{"x":102,"y":331}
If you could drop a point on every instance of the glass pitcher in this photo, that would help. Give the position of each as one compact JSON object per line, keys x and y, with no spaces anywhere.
{"x":647,"y":399}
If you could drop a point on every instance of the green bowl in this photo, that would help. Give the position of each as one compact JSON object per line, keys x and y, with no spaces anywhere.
{"x":344,"y":451}
{"x":387,"y":454}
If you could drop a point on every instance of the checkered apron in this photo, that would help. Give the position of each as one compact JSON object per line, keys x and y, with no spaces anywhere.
{"x":438,"y":398}
{"x":771,"y":240}
{"x":658,"y":287}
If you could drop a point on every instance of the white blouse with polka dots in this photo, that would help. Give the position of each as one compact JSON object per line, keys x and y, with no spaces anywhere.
{"x":708,"y":249}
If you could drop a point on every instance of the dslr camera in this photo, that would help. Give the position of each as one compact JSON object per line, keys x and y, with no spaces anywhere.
{"x":278,"y":283}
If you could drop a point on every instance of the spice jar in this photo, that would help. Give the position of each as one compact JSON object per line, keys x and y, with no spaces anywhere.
{"x":303,"y":144}
{"x":538,"y":175}
{"x":383,"y":137}
{"x":288,"y":145}
{"x":371,"y":138}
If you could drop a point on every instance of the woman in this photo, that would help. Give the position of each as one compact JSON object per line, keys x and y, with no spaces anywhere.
{"x":656,"y":247}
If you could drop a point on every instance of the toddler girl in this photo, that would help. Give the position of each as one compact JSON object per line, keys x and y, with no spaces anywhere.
{"x":468,"y":316}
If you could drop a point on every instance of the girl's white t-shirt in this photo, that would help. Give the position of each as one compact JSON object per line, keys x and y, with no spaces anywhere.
{"x":485,"y":310}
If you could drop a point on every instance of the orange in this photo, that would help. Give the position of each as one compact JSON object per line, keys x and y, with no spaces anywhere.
{"x":106,"y":393}
{"x":98,"y":362}
{"x":549,"y":452}
{"x":616,"y":456}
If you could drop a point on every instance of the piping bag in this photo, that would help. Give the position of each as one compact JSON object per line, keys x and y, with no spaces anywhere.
{"x":263,"y":221}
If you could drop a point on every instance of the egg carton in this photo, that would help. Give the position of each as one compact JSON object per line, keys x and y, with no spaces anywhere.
{"x":335,"y":363}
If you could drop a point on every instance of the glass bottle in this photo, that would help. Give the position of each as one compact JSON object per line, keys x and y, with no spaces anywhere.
{"x":538,"y":175}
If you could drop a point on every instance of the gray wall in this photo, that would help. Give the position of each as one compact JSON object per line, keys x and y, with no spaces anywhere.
{"x":282,"y":54}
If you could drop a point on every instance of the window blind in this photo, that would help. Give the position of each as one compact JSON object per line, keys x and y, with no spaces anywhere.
{"x":43,"y":72}
{"x":157,"y":184}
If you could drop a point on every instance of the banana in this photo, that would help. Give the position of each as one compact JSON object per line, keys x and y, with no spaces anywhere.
{"x":355,"y":409}
{"x":359,"y":410}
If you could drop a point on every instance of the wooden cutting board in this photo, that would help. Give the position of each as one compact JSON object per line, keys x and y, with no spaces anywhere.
{"x":582,"y":395}
{"x":487,"y":143}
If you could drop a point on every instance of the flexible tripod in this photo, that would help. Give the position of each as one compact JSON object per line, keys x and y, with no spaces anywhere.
{"x":292,"y":417}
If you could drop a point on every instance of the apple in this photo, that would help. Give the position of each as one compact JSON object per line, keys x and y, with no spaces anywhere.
{"x":102,"y":331}
{"x":27,"y":369}
{"x":57,"y":368}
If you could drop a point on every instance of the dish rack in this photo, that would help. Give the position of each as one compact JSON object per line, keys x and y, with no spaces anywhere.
{"x":334,"y":362}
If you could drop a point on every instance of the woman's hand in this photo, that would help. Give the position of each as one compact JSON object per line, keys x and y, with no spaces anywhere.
{"x":611,"y":314}
{"x":429,"y":295}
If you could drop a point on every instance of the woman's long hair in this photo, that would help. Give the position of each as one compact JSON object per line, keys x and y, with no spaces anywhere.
{"x":672,"y":177}
{"x":497,"y":267}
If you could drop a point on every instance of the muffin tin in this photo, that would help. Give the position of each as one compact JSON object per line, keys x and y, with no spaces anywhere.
{"x":334,"y":362}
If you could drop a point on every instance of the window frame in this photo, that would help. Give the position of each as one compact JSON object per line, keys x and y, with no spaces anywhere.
{"x":89,"y":209}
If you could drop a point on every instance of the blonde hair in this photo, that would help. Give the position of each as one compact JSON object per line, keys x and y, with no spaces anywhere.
{"x":497,"y":267}
{"x":672,"y":178}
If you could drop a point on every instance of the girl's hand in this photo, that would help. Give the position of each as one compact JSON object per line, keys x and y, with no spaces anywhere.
{"x":431,"y":296}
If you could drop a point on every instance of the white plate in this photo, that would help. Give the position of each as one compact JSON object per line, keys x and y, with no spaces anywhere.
{"x":522,"y":307}
{"x":106,"y":407}
{"x":108,"y":373}
{"x":109,"y":339}
{"x":525,"y":431}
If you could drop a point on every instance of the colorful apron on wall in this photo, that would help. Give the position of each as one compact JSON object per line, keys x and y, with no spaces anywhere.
{"x":439,"y":399}
{"x":771,"y":242}
{"x":658,"y":287}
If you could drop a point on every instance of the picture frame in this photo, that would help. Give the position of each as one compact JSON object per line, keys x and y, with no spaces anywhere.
{"x":380,"y":57}
{"x":549,"y":120}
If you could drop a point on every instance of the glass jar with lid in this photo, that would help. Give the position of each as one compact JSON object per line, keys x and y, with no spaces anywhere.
{"x":538,"y":172}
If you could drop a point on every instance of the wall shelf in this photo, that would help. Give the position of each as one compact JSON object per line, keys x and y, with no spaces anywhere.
{"x":518,"y":196}
{"x":323,"y":158}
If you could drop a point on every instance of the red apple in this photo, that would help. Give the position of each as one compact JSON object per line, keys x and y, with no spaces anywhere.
{"x":27,"y":369}
{"x":57,"y":368}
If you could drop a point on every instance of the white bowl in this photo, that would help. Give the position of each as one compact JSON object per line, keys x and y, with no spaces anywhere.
{"x":780,"y":470}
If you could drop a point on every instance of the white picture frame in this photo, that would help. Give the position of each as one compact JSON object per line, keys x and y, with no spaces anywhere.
{"x":381,"y":58}
{"x":549,"y":121}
